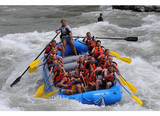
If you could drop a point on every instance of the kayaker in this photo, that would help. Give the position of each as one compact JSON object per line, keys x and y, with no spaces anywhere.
{"x":66,"y":35}
{"x":90,"y":41}
{"x":100,"y":18}
{"x":98,"y":50}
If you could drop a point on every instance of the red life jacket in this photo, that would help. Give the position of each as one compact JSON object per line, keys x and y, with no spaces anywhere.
{"x":98,"y":51}
{"x":91,"y":43}
{"x":85,"y":72}
{"x":93,"y":65}
{"x":55,"y":48}
{"x":92,"y":77}
{"x":103,"y":60}
{"x":111,"y":78}
{"x":59,"y":75}
{"x":48,"y":49}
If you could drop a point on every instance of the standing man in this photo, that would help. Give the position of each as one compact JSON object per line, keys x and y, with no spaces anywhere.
{"x":100,"y":18}
{"x":66,"y":35}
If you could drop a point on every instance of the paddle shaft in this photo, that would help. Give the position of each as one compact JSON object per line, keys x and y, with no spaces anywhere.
{"x":18,"y":79}
{"x":122,"y":85}
{"x":126,"y":38}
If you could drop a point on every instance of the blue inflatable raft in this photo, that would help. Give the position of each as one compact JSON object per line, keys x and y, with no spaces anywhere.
{"x":99,"y":97}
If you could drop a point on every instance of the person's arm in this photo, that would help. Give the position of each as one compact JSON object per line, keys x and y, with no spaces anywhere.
{"x":93,"y":50}
{"x":116,"y":76}
{"x":58,"y":30}
{"x":50,"y":70}
{"x":84,"y":39}
{"x":117,"y":69}
{"x":53,"y":79}
{"x":102,"y":55}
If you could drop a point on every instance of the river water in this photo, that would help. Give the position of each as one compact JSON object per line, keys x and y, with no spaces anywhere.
{"x":25,"y":30}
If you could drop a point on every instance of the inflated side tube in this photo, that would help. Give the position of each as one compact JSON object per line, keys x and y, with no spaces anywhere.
{"x":70,"y":59}
{"x":70,"y":66}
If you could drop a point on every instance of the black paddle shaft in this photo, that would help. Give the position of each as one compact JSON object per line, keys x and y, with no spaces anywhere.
{"x":19,"y":78}
{"x":127,"y":38}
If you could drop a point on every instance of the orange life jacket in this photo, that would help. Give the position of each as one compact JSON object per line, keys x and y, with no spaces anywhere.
{"x":93,"y":65}
{"x":111,"y":78}
{"x":92,"y":77}
{"x":98,"y":51}
{"x":59,"y":75}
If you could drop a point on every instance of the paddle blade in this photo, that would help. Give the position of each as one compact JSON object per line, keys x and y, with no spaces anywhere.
{"x":46,"y":96}
{"x":137,"y":100}
{"x":126,"y":60}
{"x":123,"y":81}
{"x":129,"y":85}
{"x":16,"y":81}
{"x":40,"y":91}
{"x":131,"y":39}
{"x":30,"y":70}
{"x":113,"y":53}
{"x":34,"y":63}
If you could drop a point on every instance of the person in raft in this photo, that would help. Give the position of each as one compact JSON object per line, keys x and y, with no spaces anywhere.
{"x":90,"y":41}
{"x":66,"y":35}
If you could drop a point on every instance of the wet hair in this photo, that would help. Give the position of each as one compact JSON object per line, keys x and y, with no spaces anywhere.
{"x":87,"y":33}
{"x":63,"y":20}
{"x":106,"y":50}
{"x":100,"y":14}
{"x":111,"y":66}
{"x":98,"y":41}
{"x":53,"y":41}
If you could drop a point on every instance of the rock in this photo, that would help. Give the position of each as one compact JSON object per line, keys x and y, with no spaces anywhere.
{"x":138,"y":8}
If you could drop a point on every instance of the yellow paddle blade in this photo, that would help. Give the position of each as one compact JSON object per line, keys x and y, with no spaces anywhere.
{"x":46,"y":96}
{"x":34,"y":63}
{"x":40,"y":91}
{"x":30,"y":70}
{"x":113,"y":53}
{"x":132,"y":88}
{"x":126,"y":60}
{"x":129,"y":85}
{"x":123,"y":81}
{"x":137,"y":100}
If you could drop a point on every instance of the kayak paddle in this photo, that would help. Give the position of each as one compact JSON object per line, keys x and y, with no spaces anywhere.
{"x":19,"y":78}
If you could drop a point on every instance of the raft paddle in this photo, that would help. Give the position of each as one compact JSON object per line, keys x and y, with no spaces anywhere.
{"x":114,"y":38}
{"x":129,"y":85}
{"x":19,"y":78}
{"x":124,"y":59}
{"x":46,"y":96}
{"x":40,"y":90}
{"x":134,"y":97}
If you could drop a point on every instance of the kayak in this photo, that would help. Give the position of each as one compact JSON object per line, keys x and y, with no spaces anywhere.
{"x":99,"y":97}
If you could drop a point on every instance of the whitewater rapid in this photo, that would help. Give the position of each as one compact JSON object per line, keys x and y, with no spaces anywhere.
{"x":17,"y":50}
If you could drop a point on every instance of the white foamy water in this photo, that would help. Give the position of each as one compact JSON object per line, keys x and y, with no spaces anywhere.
{"x":17,"y":50}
